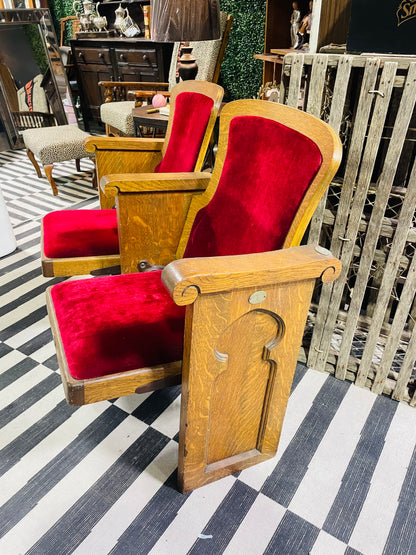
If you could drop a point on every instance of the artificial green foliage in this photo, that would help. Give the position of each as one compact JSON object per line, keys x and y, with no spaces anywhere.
{"x":241,"y":75}
{"x":35,"y":41}
{"x":59,"y":9}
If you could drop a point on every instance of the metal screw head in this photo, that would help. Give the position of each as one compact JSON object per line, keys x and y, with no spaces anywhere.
{"x":322,"y":250}
{"x":257,"y":297}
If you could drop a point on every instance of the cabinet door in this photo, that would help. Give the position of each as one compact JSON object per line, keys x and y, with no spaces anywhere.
{"x":93,"y":95}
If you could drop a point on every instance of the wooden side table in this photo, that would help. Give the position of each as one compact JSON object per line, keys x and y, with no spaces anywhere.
{"x":142,"y":118}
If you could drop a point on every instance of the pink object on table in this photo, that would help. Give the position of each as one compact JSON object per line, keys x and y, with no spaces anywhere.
{"x":158,"y":101}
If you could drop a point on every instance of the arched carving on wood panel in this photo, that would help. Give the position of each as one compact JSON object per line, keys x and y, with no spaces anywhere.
{"x":241,"y":392}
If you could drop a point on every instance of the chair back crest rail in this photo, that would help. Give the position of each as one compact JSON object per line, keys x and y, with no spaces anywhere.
{"x":361,"y":326}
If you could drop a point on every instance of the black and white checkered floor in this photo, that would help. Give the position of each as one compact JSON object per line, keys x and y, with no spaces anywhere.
{"x":101,"y":478}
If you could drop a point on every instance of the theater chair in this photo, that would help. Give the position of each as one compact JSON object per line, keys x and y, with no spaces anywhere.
{"x":226,"y":317}
{"x":76,"y":242}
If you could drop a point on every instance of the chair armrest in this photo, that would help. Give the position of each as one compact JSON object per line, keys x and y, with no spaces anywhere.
{"x":135,"y":144}
{"x":117,"y":90}
{"x":187,"y":278}
{"x":114,"y":184}
{"x":145,"y":94}
{"x":151,"y":211}
{"x":138,"y":85}
{"x":29,"y":120}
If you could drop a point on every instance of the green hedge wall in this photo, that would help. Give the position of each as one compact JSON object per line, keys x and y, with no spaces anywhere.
{"x":59,"y":9}
{"x":241,"y":74}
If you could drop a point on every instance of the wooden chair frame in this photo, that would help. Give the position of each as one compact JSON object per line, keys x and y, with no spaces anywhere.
{"x":128,"y":155}
{"x":22,"y":119}
{"x":245,"y":317}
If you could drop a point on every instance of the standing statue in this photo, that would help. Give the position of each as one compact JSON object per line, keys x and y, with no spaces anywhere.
{"x":294,"y":24}
{"x":304,"y":28}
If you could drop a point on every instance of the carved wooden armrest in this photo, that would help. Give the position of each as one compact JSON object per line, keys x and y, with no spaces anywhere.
{"x":133,"y":144}
{"x":145,"y":94}
{"x":133,"y":84}
{"x":243,"y":331}
{"x":151,"y":212}
{"x":114,"y":184}
{"x":117,"y":90}
{"x":189,"y":277}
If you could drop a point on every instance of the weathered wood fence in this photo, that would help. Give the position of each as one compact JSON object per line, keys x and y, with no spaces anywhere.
{"x":361,"y":326}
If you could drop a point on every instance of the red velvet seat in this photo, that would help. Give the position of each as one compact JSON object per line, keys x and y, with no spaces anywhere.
{"x":94,"y":233}
{"x":127,"y":321}
{"x":246,"y":293}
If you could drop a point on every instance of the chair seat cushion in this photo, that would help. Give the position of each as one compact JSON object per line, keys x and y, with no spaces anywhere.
{"x":56,"y":143}
{"x":118,"y":323}
{"x":69,"y":233}
{"x":118,"y":115}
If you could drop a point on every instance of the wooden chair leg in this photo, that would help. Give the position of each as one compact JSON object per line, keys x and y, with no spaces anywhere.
{"x":48,"y":172}
{"x":32,"y":158}
{"x":78,"y":164}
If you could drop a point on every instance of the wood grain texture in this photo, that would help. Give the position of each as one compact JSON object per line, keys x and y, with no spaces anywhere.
{"x":189,"y":277}
{"x":324,"y":324}
{"x":385,"y":184}
{"x":239,"y":358}
{"x":366,"y":167}
{"x":335,"y":118}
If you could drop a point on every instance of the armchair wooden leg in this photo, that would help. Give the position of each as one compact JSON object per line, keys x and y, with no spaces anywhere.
{"x":32,"y":158}
{"x":238,"y":368}
{"x":48,"y":172}
{"x":78,"y":164}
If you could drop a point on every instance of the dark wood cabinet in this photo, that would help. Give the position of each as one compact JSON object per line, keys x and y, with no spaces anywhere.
{"x":116,"y":59}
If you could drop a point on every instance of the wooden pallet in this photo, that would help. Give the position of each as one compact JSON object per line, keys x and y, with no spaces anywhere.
{"x":370,"y":101}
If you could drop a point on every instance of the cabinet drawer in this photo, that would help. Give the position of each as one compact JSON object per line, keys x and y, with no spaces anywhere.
{"x":143,"y":57}
{"x":92,"y":56}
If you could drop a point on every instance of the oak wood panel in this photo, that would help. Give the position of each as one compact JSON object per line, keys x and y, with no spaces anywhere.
{"x":239,"y":357}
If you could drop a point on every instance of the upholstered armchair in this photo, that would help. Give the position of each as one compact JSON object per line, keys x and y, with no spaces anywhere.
{"x":116,"y":111}
{"x":226,"y":316}
{"x":79,"y":241}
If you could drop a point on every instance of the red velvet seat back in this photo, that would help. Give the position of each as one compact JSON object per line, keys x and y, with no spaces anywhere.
{"x":267,"y":170}
{"x":190,"y":120}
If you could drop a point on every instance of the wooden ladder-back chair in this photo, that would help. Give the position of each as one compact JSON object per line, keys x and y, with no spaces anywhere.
{"x":117,"y":116}
{"x":226,"y":317}
{"x":24,"y":119}
{"x":77,"y":242}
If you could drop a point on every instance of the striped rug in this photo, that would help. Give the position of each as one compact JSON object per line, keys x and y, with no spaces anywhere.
{"x":102,"y":478}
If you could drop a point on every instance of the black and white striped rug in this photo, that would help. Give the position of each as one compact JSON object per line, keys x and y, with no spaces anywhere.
{"x":101,"y":478}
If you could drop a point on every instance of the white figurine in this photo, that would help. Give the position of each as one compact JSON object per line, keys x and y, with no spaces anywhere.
{"x":294,"y":24}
